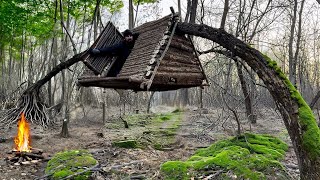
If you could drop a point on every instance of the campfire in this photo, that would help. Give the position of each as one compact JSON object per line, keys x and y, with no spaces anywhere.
{"x":23,"y":153}
{"x":23,"y":139}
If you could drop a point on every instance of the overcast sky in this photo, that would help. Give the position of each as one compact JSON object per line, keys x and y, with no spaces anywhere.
{"x":164,"y":5}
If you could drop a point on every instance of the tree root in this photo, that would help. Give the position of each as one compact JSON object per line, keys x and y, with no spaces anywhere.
{"x":33,"y":108}
{"x":30,"y":102}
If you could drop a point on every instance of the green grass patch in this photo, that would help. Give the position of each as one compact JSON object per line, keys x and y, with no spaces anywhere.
{"x":250,"y":156}
{"x":125,"y":144}
{"x":156,"y":130}
{"x":67,"y":163}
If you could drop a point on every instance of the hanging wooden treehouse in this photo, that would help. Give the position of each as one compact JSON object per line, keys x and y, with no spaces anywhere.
{"x":161,"y":60}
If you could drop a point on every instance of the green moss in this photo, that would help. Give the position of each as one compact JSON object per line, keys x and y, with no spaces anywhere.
{"x":157,"y":146}
{"x":311,"y":137}
{"x":270,"y":146}
{"x":311,"y":132}
{"x":125,"y":144}
{"x":164,"y":118}
{"x":156,"y":130}
{"x":67,"y":163}
{"x":62,"y":174}
{"x":175,"y":170}
{"x":249,"y":156}
{"x":178,"y":110}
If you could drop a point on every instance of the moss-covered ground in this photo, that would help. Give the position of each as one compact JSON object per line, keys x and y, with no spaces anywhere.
{"x":67,"y":163}
{"x":156,"y":130}
{"x":249,"y":156}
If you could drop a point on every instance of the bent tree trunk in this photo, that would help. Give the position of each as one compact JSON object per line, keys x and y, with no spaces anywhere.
{"x":297,"y":115}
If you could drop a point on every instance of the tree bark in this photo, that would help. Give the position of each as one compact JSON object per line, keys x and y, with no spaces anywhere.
{"x":301,"y":126}
{"x":184,"y":93}
{"x":292,"y":61}
{"x":149,"y":101}
{"x":224,"y":15}
{"x":65,"y":132}
{"x":246,"y":94}
{"x":131,"y":14}
{"x":314,"y":100}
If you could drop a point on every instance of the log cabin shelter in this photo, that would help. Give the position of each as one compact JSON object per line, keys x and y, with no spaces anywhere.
{"x":161,"y":60}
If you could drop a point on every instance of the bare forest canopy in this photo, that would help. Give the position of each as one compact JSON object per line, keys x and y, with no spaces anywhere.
{"x":38,"y":38}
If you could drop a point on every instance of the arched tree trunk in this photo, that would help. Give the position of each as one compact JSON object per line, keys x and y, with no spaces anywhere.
{"x":297,"y":115}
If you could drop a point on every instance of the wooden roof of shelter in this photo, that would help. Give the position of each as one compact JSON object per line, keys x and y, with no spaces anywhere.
{"x":161,"y":60}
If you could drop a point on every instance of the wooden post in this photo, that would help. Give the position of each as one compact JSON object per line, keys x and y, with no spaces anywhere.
{"x":64,"y":132}
{"x":104,"y":107}
{"x":179,"y":9}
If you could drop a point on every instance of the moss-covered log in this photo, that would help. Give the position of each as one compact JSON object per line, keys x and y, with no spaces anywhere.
{"x":297,"y":115}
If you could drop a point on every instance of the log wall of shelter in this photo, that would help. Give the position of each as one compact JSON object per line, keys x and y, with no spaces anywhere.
{"x":150,"y":35}
{"x":160,"y":60}
{"x":180,"y":64}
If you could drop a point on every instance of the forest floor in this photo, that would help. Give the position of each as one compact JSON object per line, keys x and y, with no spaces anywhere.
{"x":198,"y":128}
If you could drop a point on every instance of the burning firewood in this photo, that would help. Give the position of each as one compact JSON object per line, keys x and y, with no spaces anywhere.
{"x":23,"y":153}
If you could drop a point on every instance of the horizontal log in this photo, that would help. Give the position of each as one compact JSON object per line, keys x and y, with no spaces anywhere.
{"x":115,"y":84}
{"x":132,"y":73}
{"x":144,"y":45}
{"x":140,"y":54}
{"x":174,"y":50}
{"x":29,"y":154}
{"x":139,"y":61}
{"x":136,"y":79}
{"x":178,"y":39}
{"x":182,"y":47}
{"x":169,"y":62}
{"x":177,"y":69}
{"x":180,"y":75}
{"x":144,"y":41}
{"x":135,"y":64}
{"x":134,"y":67}
{"x":194,"y":80}
{"x":179,"y":59}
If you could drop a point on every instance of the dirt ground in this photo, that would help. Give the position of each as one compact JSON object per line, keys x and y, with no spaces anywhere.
{"x":199,"y":128}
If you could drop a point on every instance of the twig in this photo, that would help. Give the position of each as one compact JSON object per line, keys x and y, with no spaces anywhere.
{"x":213,"y":176}
{"x":95,"y":167}
{"x":121,"y":165}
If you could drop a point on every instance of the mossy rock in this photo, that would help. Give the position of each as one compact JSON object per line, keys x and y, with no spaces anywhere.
{"x":125,"y":144}
{"x":249,"y":156}
{"x":67,"y":163}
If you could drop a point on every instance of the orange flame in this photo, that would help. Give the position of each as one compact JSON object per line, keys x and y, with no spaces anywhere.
{"x":22,"y":140}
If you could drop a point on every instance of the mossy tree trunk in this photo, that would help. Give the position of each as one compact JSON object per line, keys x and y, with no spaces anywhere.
{"x":297,"y":115}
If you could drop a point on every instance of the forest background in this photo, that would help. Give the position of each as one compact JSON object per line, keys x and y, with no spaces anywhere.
{"x":38,"y":35}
